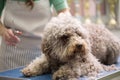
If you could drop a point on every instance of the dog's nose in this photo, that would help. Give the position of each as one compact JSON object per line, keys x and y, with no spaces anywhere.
{"x":79,"y":46}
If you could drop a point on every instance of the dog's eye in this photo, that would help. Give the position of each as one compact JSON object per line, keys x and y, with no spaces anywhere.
{"x":78,"y":32}
{"x":65,"y":37}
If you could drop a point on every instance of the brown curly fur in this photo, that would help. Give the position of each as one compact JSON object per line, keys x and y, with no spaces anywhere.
{"x":70,"y":50}
{"x":105,"y":46}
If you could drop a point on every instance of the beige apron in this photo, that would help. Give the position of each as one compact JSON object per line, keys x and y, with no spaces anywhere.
{"x":18,"y":16}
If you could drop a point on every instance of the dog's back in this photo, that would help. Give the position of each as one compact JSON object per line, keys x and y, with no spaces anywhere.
{"x":105,"y":45}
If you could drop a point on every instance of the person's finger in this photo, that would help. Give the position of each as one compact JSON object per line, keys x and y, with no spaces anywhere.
{"x":14,"y":37}
{"x":17,"y":38}
{"x":14,"y":41}
{"x":11,"y":40}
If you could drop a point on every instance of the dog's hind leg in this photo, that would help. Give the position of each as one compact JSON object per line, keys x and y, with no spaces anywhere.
{"x":112,"y":55}
{"x":38,"y":66}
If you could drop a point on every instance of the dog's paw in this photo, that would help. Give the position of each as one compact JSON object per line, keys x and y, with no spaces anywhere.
{"x":113,"y":67}
{"x":28,"y":72}
{"x":110,"y":67}
{"x":62,"y":76}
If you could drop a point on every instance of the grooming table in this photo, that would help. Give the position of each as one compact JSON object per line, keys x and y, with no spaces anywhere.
{"x":15,"y":73}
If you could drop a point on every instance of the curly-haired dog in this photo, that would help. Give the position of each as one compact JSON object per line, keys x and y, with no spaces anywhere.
{"x":70,"y":50}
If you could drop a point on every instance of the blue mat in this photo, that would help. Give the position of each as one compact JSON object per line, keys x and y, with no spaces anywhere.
{"x":15,"y":73}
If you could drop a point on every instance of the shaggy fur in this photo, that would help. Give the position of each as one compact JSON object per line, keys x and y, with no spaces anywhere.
{"x":71,"y":50}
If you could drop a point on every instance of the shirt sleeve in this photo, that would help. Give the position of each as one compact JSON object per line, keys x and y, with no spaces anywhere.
{"x":59,"y":4}
{"x":2,"y":3}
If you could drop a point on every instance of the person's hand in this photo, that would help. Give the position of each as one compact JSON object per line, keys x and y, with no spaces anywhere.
{"x":11,"y":37}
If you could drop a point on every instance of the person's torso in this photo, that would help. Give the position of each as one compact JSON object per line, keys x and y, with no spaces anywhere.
{"x":31,"y":21}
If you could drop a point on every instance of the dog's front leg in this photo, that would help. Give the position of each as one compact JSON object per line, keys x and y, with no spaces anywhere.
{"x":36,"y":67}
{"x":67,"y":72}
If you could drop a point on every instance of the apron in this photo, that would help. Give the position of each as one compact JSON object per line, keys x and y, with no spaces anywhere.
{"x":31,"y":22}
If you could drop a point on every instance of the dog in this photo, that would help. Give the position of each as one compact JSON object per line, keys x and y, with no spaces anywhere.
{"x":71,"y":49}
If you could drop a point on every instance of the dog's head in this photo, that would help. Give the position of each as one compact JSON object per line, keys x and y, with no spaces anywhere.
{"x":64,"y":39}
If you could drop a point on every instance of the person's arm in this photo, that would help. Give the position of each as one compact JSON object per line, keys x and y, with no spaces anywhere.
{"x":2,"y":29}
{"x":60,"y":6}
{"x":8,"y":35}
{"x":66,"y":10}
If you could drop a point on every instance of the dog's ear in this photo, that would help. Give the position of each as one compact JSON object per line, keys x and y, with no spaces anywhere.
{"x":45,"y":46}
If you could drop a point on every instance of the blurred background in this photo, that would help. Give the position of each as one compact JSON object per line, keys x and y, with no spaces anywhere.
{"x":97,"y":11}
{"x":105,"y":12}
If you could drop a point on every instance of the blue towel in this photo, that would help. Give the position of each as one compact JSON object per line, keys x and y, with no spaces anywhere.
{"x":15,"y":73}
